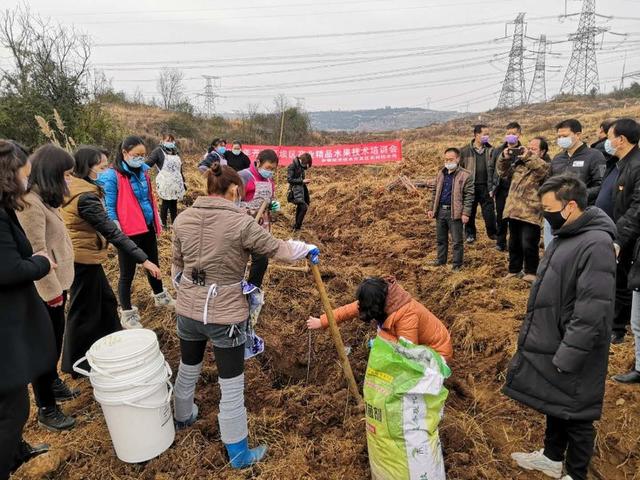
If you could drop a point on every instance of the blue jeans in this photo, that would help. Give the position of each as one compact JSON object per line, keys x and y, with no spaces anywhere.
{"x":635,"y":325}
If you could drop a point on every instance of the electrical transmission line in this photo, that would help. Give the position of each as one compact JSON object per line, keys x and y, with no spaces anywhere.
{"x":513,"y":90}
{"x":581,"y":76}
{"x":538,"y":91}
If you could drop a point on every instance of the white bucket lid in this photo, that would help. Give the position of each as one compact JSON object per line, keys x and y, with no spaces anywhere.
{"x":123,"y":345}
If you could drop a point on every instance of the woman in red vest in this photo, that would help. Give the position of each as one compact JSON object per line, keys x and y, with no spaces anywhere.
{"x":130,"y":203}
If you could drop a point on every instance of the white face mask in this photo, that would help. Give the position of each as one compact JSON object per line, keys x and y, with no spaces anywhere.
{"x":565,"y":142}
{"x":450,"y":166}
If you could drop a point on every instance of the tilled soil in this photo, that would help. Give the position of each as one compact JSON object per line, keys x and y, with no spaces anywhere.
{"x":296,"y":396}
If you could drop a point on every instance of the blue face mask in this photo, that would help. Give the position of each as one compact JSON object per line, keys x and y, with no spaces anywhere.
{"x":221,"y":150}
{"x":135,"y":162}
{"x":100,"y":179}
{"x":609,"y":148}
{"x":169,"y":145}
{"x":265,"y":173}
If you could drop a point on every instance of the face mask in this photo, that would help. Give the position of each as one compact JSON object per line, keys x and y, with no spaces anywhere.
{"x":565,"y":142}
{"x":265,"y":173}
{"x":100,"y":178}
{"x":221,"y":150}
{"x":169,"y":145}
{"x":236,"y":152}
{"x":484,"y":139}
{"x":135,"y":162}
{"x":555,"y":219}
{"x":511,"y":139}
{"x":608,"y":146}
{"x":450,"y":166}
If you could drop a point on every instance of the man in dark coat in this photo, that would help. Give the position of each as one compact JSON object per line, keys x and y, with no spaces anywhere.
{"x":476,"y":157}
{"x":298,"y":192}
{"x":560,"y":366}
{"x":624,"y":136}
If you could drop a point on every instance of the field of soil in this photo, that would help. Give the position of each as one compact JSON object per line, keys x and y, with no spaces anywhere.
{"x":296,"y":396}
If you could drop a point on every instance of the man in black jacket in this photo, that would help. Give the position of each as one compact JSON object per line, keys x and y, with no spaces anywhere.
{"x":298,"y":191}
{"x":623,"y":137}
{"x":560,"y":365}
{"x":476,"y":157}
{"x":499,"y":186}
{"x":603,"y":130}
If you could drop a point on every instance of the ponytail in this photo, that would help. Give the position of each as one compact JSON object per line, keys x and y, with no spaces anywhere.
{"x":220,"y":178}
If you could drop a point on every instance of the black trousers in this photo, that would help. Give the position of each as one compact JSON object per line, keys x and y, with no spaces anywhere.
{"x":622,"y":312}
{"x":502,"y":224}
{"x":148,"y":243}
{"x":445,"y":225}
{"x":14,"y":412}
{"x":575,"y":438}
{"x":483,"y":199}
{"x":301,"y":211}
{"x":524,"y":244}
{"x":168,"y":207}
{"x":93,"y":313}
{"x":259,"y":265}
{"x":230,"y":361}
{"x":43,"y":385}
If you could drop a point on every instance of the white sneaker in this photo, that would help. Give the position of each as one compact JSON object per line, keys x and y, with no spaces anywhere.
{"x":537,"y":461}
{"x":164,"y":299}
{"x":130,"y":319}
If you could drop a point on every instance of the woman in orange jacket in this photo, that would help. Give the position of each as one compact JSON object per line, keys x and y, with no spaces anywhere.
{"x":396,"y":314}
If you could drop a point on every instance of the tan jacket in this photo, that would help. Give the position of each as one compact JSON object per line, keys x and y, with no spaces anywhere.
{"x":90,"y":247}
{"x":45,"y":230}
{"x":523,"y":203}
{"x":462,"y":194}
{"x":212,"y":243}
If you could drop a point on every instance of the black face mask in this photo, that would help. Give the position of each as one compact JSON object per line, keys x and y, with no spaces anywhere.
{"x":555,"y":219}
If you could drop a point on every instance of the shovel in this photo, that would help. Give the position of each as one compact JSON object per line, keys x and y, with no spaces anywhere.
{"x":335,"y":334}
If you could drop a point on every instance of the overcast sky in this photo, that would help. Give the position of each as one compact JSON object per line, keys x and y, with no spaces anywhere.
{"x":445,"y":55}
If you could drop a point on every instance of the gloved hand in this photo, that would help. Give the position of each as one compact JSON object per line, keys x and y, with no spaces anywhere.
{"x":275,"y":206}
{"x":313,"y":253}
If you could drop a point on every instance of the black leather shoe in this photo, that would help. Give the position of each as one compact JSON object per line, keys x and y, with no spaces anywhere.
{"x":52,"y":418}
{"x":27,"y":452}
{"x":62,"y":392}
{"x":632,"y":377}
{"x":617,"y":338}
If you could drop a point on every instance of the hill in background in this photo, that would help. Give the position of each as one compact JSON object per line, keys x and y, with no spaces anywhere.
{"x":381,"y":119}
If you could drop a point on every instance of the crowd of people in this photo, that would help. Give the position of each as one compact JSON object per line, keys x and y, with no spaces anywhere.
{"x":585,"y":202}
{"x":60,"y":211}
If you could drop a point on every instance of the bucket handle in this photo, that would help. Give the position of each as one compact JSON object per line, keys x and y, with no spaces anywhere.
{"x":94,"y":369}
{"x":153,"y":407}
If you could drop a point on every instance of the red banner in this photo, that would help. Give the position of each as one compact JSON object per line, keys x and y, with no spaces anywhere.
{"x":333,"y":155}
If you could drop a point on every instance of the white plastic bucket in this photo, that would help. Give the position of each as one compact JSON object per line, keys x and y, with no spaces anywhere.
{"x":130,"y":380}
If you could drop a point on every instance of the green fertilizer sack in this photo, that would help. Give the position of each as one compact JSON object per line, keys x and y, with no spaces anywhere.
{"x":404,"y":399}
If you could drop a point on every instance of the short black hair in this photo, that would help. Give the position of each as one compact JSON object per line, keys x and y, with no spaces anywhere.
{"x":478,"y":128}
{"x":544,"y":145}
{"x":214,"y":143}
{"x":454,"y":150}
{"x":605,"y":125}
{"x":127,"y":145}
{"x":567,"y":187}
{"x":267,"y":156}
{"x":627,"y":127}
{"x":237,"y":142}
{"x":48,"y":165}
{"x":86,"y":157}
{"x":572,"y":123}
{"x":514,"y":126}
{"x":372,"y":299}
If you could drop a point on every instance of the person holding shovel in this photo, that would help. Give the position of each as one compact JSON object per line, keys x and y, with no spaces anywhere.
{"x":396,"y":314}
{"x":212,"y":242}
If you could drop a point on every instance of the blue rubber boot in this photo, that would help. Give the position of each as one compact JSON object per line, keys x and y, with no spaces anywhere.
{"x":241,"y":456}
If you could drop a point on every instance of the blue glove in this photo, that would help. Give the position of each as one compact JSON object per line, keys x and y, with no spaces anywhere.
{"x":314,"y":255}
{"x":275,"y":206}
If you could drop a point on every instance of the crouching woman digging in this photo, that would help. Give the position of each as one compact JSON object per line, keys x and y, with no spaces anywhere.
{"x":212,"y":243}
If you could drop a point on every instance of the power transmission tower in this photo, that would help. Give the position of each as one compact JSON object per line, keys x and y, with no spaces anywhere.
{"x":209,"y":95}
{"x":538,"y":92}
{"x":513,"y":90}
{"x":581,"y":76}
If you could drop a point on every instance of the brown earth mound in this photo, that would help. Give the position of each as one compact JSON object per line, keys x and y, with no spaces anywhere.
{"x":296,"y":396}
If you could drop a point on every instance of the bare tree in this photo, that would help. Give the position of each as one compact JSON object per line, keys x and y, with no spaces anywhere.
{"x":170,"y":87}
